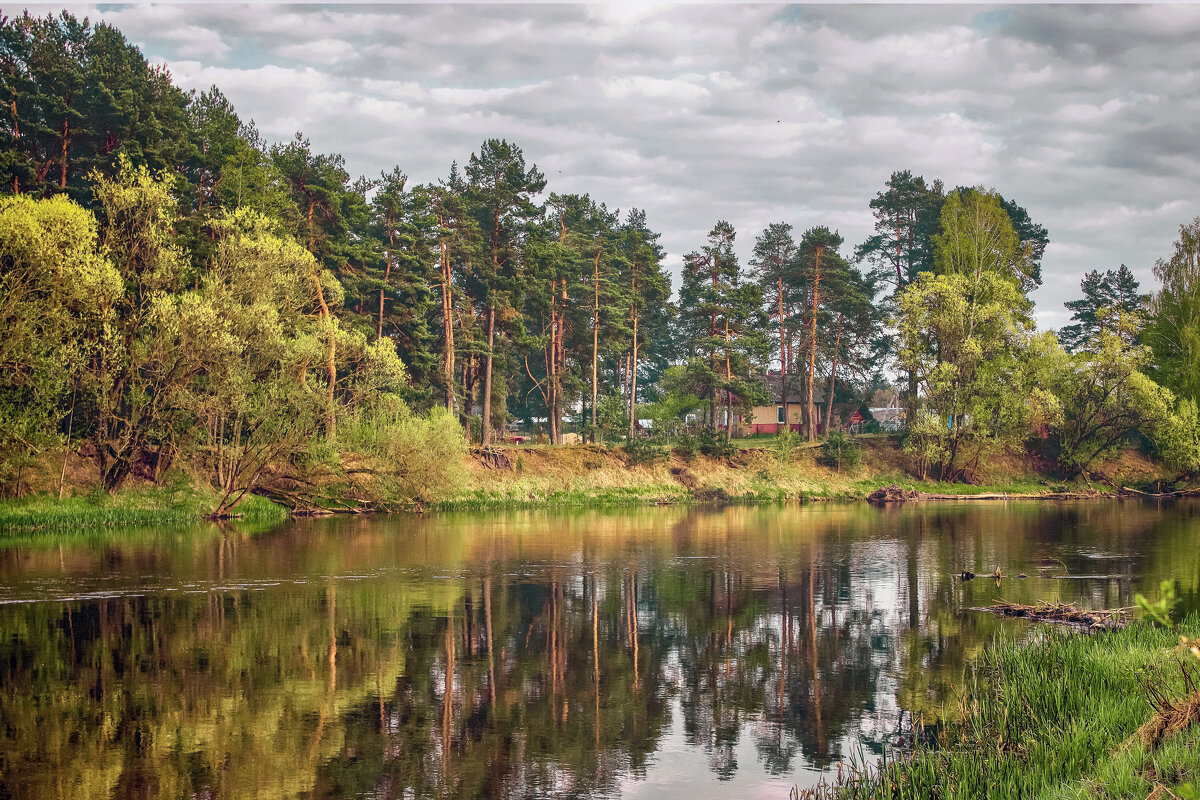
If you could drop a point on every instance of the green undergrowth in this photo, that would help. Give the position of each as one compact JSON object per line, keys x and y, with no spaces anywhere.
{"x":757,"y":491}
{"x":175,"y":502}
{"x":1026,"y":486}
{"x":476,"y":500}
{"x":1051,"y":717}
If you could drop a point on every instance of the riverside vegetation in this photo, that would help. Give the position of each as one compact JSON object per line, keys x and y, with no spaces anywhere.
{"x":195,"y":317}
{"x":1061,"y":716}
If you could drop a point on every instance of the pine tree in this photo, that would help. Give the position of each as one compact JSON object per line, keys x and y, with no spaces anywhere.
{"x":722,"y":325}
{"x":823,"y":277}
{"x":774,"y":262}
{"x":1117,"y":291}
{"x":501,"y":191}
{"x":459,"y":248}
{"x":647,"y":287}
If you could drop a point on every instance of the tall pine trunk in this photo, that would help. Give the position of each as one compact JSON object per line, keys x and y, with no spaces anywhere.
{"x":633,"y":377}
{"x":66,"y":145}
{"x":330,"y":361}
{"x":832,"y":374}
{"x":387,"y":270}
{"x":486,"y":427}
{"x":16,"y":133}
{"x":783,"y":387}
{"x":447,"y":327}
{"x":595,"y":336}
{"x":728,"y":394}
{"x":812,"y":346}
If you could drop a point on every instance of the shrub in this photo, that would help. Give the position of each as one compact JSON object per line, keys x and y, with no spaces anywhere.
{"x":408,"y":457}
{"x":714,"y":444}
{"x":784,"y":446}
{"x":840,"y":450}
{"x":687,"y":446}
{"x":643,"y":452}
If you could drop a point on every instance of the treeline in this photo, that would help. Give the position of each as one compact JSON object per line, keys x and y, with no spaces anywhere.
{"x":173,"y":285}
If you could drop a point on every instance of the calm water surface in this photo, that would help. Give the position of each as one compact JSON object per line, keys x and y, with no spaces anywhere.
{"x":661,"y":652}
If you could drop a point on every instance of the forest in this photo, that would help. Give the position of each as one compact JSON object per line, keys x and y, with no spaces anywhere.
{"x":177,"y":290}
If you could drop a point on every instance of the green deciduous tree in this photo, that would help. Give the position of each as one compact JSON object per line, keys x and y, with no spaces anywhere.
{"x":56,"y":292}
{"x":964,"y":336}
{"x":1174,"y":329}
{"x":1101,"y":395}
{"x":132,"y":370}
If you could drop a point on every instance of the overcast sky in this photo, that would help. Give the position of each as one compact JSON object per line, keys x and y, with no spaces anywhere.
{"x":1086,"y":115}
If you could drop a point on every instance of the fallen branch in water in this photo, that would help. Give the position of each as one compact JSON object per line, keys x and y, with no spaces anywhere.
{"x":1180,"y":493}
{"x":1063,"y":613}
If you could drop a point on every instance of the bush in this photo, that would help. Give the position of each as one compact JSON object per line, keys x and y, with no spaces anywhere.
{"x":784,"y":446}
{"x":687,"y":446}
{"x":409,"y":457}
{"x":643,"y":452}
{"x":714,"y":444}
{"x":840,"y":450}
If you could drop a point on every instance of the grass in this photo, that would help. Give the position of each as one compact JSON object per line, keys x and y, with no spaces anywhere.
{"x":531,"y":497}
{"x":175,"y":502}
{"x":1053,"y":717}
{"x":590,"y":475}
{"x":1016,"y":486}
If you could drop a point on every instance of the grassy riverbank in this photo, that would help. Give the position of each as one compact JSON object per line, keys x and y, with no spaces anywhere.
{"x":571,"y":476}
{"x":587,"y":475}
{"x":1054,"y":717}
{"x":180,"y":502}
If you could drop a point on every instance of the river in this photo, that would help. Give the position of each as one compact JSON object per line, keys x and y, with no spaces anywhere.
{"x":673,"y":652}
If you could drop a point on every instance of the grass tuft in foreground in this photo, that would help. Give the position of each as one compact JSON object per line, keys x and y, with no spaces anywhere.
{"x":1054,"y":717}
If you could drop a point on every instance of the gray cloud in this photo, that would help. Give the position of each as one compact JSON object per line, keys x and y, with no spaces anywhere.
{"x":1083,"y":114}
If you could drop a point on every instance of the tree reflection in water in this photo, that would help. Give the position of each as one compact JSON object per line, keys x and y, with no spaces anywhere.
{"x":522,"y":655}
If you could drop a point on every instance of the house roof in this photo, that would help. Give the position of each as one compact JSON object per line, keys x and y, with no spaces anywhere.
{"x":795,"y":389}
{"x":887,"y":414}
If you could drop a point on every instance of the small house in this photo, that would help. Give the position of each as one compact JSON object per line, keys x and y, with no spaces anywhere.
{"x":771,"y":419}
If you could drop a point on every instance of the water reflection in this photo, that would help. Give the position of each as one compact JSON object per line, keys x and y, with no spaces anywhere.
{"x":660,"y":652}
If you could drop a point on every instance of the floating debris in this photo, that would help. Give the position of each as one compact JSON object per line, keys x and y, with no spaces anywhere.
{"x":893,"y":494}
{"x":1091,"y":577}
{"x":1063,"y":613}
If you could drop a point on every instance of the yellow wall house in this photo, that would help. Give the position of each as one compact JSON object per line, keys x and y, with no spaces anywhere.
{"x":770,"y":419}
